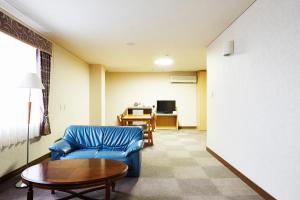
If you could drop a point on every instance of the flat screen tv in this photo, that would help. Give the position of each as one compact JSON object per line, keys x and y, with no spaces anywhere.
{"x":166,"y":106}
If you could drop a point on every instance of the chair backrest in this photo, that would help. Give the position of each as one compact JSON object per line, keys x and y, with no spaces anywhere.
{"x":103,"y":137}
{"x":119,"y":117}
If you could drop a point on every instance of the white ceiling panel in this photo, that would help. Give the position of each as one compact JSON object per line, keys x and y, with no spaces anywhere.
{"x":98,"y":31}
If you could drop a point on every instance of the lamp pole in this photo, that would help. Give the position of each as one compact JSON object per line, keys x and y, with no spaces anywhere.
{"x":28,"y":126}
{"x":31,"y":81}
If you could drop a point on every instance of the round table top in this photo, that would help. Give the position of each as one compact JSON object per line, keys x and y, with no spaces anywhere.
{"x":74,"y":171}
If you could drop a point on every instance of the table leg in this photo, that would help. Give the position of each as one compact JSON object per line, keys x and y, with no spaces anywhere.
{"x":151,"y":136}
{"x":113,"y":185}
{"x":52,"y":191}
{"x":150,"y":139}
{"x":107,"y":190}
{"x":30,"y":192}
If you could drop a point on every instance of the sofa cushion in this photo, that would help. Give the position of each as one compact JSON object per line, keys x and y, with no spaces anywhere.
{"x":115,"y":138}
{"x":114,"y":155}
{"x":84,"y":136}
{"x":82,"y":153}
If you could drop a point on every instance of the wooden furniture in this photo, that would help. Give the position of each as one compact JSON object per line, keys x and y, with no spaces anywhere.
{"x":166,"y":121}
{"x":138,"y":111}
{"x":119,"y":118}
{"x":147,"y":118}
{"x":70,"y":174}
{"x":145,"y":110}
{"x":148,"y":130}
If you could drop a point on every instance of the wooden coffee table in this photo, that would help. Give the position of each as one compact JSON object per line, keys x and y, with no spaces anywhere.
{"x":67,"y":175}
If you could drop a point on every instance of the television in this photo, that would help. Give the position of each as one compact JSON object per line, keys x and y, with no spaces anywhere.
{"x":166,"y":106}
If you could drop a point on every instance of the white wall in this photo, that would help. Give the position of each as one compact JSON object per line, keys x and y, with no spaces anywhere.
{"x":254,"y":96}
{"x":123,"y":89}
{"x":68,"y":104}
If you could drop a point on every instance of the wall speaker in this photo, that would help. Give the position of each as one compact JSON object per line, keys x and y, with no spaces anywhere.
{"x":228,"y":48}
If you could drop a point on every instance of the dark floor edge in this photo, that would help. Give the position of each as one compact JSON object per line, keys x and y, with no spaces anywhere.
{"x":20,"y":169}
{"x":187,"y":127}
{"x":244,"y":178}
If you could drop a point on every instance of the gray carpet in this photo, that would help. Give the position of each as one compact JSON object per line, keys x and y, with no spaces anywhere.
{"x":177,"y":167}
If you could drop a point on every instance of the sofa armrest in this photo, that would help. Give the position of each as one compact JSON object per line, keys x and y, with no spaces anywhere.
{"x":134,"y":147}
{"x":62,"y":146}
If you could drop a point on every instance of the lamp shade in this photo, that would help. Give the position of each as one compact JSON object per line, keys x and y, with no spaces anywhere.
{"x":31,"y":80}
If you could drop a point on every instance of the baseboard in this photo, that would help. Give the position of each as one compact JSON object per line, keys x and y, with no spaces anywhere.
{"x":250,"y":183}
{"x":20,"y":169}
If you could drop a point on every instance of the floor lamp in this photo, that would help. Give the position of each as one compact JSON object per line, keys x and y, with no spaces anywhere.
{"x":30,"y":81}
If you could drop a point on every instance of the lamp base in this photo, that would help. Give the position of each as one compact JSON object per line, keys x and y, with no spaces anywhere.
{"x":21,"y":185}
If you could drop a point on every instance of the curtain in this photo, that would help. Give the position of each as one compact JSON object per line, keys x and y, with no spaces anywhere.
{"x":17,"y":59}
{"x":44,"y":64}
{"x":22,"y":33}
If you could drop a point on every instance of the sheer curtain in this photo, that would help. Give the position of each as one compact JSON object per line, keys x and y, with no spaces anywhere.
{"x":17,"y":59}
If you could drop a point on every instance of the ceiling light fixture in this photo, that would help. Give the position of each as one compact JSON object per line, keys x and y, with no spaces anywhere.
{"x":130,"y":43}
{"x":164,"y":61}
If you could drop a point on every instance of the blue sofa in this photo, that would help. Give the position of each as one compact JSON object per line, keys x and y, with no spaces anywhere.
{"x":112,"y":142}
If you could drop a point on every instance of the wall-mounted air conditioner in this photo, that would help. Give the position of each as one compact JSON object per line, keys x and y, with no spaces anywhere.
{"x":183,"y":79}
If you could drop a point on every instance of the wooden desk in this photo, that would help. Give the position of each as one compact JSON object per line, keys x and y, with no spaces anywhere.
{"x":131,"y":117}
{"x":146,"y":110}
{"x":144,"y":118}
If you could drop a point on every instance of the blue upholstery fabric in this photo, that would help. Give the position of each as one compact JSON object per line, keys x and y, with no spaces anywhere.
{"x":112,"y":142}
{"x":81,"y":153}
{"x":115,"y":155}
{"x":61,"y":146}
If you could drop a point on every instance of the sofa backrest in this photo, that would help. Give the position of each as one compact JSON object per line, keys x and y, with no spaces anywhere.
{"x":103,"y":137}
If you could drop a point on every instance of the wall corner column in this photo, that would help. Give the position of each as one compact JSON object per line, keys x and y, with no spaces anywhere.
{"x":97,"y":94}
{"x":201,"y":101}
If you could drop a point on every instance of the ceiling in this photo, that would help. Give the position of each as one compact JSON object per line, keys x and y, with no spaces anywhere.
{"x":127,"y":35}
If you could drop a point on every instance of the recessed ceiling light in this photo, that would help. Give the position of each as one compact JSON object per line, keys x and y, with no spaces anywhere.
{"x":130,"y":43}
{"x":164,"y":61}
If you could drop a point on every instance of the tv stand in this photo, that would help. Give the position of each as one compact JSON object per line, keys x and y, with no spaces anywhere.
{"x":166,"y":121}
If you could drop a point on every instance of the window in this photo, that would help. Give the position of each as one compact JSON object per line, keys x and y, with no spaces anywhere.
{"x":17,"y":59}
